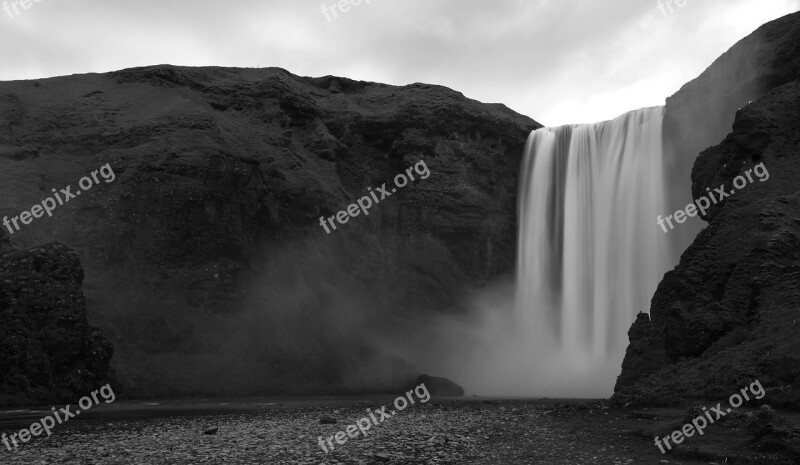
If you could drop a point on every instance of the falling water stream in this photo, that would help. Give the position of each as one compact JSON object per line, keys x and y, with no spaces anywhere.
{"x":590,"y":253}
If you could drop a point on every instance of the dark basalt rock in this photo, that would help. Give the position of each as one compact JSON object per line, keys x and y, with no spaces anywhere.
{"x":727,"y":315}
{"x":205,"y":260}
{"x":18,"y":153}
{"x":50,"y":354}
{"x":440,"y":387}
{"x":6,"y":245}
{"x":722,"y":318}
{"x":700,"y":114}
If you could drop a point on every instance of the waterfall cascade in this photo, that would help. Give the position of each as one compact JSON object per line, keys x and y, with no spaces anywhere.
{"x":590,"y":252}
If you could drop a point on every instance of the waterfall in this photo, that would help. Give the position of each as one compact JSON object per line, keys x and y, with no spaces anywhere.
{"x":590,"y":252}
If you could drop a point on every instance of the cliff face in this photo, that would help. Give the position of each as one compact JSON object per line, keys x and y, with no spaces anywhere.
{"x":50,"y":354}
{"x":700,"y":114}
{"x":726,"y":315}
{"x":205,"y":261}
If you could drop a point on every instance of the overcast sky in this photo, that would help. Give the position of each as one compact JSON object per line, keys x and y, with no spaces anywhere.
{"x":557,"y":61}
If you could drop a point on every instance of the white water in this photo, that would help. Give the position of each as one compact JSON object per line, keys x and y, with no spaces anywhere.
{"x":590,"y":258}
{"x":590,"y":252}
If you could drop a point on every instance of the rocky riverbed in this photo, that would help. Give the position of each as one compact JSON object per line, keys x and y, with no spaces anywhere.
{"x":469,"y":431}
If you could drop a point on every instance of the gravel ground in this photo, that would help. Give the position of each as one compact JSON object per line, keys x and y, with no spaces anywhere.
{"x":439,"y":432}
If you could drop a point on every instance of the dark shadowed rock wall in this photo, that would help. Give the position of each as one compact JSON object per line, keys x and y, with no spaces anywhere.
{"x":204,"y":259}
{"x":700,"y":114}
{"x":727,"y":315}
{"x":48,"y":351}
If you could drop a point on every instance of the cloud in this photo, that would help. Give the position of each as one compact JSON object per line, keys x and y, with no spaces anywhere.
{"x":557,"y":61}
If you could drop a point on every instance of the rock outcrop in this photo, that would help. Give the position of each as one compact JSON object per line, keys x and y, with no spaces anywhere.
{"x":440,"y":387}
{"x":700,"y":114}
{"x":728,"y":314}
{"x":205,"y":260}
{"x":48,"y":351}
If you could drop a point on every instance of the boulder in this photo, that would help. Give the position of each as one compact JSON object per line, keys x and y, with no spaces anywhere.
{"x":50,"y":353}
{"x":440,"y":387}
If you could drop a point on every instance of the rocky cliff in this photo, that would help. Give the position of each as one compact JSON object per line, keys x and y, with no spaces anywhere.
{"x":205,"y":261}
{"x":700,"y":114}
{"x":727,"y":314}
{"x":49,"y":353}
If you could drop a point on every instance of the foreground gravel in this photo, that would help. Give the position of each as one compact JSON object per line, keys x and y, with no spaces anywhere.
{"x":439,"y":432}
